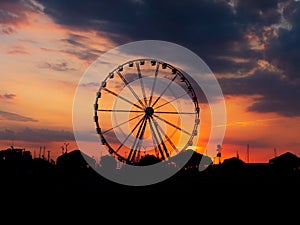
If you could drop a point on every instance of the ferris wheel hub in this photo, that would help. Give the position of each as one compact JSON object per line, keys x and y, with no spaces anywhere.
{"x":149,"y":111}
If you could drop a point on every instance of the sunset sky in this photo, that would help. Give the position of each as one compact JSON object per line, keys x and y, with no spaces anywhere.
{"x":251,"y":46}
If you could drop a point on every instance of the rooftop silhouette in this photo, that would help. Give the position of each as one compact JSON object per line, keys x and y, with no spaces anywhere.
{"x":72,"y":170}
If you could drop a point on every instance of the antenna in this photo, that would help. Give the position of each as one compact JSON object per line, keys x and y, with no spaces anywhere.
{"x":275,"y":152}
{"x":66,"y":145}
{"x":48,"y":156}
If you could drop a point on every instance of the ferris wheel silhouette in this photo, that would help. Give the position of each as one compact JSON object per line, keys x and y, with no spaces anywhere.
{"x":146,"y":106}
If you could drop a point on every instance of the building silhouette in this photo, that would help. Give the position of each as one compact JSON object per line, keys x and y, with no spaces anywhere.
{"x":74,"y":169}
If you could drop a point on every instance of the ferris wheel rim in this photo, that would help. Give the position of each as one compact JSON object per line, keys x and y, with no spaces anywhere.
{"x":143,"y":107}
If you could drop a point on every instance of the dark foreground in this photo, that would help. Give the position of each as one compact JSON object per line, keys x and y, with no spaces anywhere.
{"x":185,"y":181}
{"x":231,"y":179}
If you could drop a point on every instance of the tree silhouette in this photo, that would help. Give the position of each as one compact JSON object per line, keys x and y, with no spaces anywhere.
{"x":148,"y":160}
{"x":193,"y":159}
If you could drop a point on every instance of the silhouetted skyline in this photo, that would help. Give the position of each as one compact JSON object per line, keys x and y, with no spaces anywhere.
{"x":19,"y":165}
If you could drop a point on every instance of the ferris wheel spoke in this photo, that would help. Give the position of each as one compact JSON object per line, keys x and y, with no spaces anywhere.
{"x":124,"y":99}
{"x":153,"y":141}
{"x":164,"y":133}
{"x":137,"y":139}
{"x":119,"y":110}
{"x":154,"y":83}
{"x":130,"y":88}
{"x":176,"y":112}
{"x":156,"y":139}
{"x":171,"y":101}
{"x":166,"y":88}
{"x":141,"y":82}
{"x":173,"y":125}
{"x":122,"y":123}
{"x":134,"y":128}
{"x":161,"y":139}
{"x":152,"y":137}
{"x":139,"y":142}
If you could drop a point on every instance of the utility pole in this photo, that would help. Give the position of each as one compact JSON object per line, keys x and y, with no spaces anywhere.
{"x":66,"y":147}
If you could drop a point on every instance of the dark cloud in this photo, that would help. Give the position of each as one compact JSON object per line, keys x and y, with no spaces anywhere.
{"x":36,"y":135}
{"x":15,"y":12}
{"x":291,"y":12}
{"x":61,"y":66}
{"x":7,"y":96}
{"x":15,"y":117}
{"x":90,"y":84}
{"x":183,"y":22}
{"x":73,"y":42}
{"x":255,"y":142}
{"x":7,"y":30}
{"x":202,"y":26}
{"x":276,"y":94}
{"x":257,"y":12}
{"x":215,"y":30}
{"x":284,"y":50}
{"x":209,"y":28}
{"x":76,"y":46}
{"x":18,"y":50}
{"x":85,"y":54}
{"x":87,"y":136}
{"x":232,"y":66}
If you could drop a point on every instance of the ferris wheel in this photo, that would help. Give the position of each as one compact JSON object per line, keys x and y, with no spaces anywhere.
{"x":146,"y":107}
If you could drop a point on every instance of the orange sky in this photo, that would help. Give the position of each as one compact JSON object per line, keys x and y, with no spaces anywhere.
{"x":41,"y":68}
